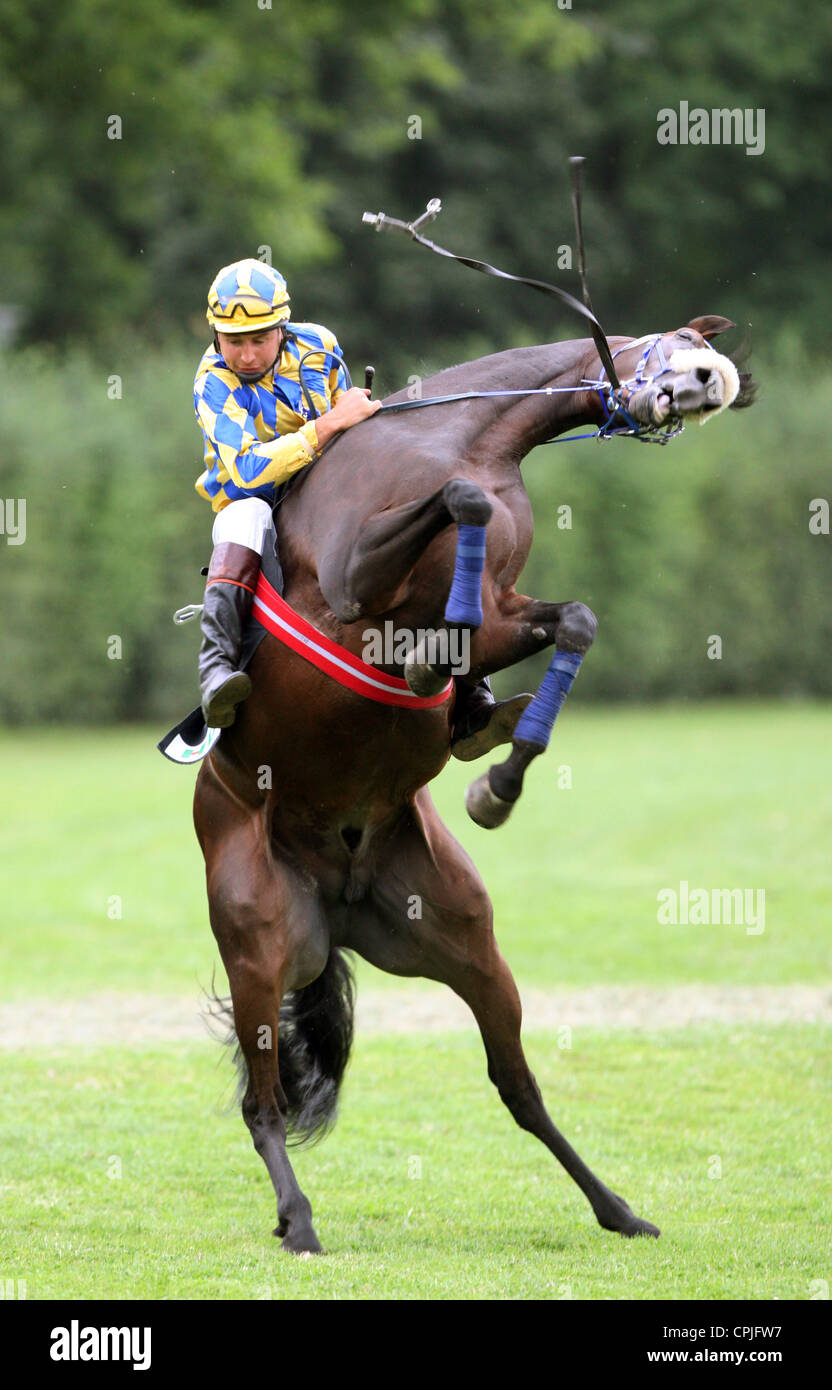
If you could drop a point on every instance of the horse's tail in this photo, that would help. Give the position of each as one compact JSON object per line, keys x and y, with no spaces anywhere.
{"x":314,"y":1039}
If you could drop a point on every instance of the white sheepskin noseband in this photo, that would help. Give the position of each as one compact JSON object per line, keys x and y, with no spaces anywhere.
{"x":688,"y":359}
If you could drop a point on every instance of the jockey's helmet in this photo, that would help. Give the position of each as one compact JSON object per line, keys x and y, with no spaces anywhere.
{"x":247,"y":297}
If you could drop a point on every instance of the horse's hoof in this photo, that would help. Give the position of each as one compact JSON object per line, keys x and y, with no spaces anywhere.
{"x":642,"y":1228}
{"x":422,"y":679}
{"x":484,"y":807}
{"x":618,"y":1217}
{"x":467,"y":503}
{"x":301,"y":1242}
{"x":499,"y":728}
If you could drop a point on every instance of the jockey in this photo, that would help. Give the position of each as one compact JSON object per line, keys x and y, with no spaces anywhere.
{"x":258,"y":432}
{"x":255,"y":420}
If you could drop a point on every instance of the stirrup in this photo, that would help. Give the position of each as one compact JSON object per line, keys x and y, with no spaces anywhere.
{"x":184,"y":615}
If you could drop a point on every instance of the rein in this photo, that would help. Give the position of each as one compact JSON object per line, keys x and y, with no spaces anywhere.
{"x":315,"y":352}
{"x":380,"y":221}
{"x":612,"y":398}
{"x":613,"y":393}
{"x":610,"y":390}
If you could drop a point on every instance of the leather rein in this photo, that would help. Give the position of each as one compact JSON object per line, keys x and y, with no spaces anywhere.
{"x":613,"y":393}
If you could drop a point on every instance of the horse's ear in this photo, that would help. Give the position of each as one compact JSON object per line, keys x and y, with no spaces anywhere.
{"x":711,"y":324}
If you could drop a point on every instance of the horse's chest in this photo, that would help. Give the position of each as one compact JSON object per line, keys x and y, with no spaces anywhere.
{"x":510,"y":532}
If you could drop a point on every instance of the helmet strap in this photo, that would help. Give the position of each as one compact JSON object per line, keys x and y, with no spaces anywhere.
{"x":251,"y":378}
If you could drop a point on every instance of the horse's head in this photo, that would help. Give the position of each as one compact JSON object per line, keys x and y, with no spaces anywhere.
{"x":678,"y":375}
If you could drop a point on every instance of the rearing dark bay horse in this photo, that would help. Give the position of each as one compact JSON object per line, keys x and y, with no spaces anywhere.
{"x":328,"y":852}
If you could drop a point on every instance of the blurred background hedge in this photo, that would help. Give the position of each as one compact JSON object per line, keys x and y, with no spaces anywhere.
{"x":256,"y":131}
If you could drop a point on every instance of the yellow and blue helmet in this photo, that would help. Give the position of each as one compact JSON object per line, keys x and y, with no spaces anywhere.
{"x":247,"y":297}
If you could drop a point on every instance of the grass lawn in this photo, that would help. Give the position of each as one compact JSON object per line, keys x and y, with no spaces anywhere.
{"x":426,"y":1188}
{"x":721,"y":795}
{"x":122,"y":1175}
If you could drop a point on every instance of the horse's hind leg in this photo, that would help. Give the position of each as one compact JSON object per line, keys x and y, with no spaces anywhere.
{"x":453,"y":942}
{"x":270,"y":941}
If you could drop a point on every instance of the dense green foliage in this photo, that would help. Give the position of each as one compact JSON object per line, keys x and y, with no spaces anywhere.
{"x":244,"y":129}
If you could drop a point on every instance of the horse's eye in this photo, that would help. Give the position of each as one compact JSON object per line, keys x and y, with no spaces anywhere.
{"x":683,"y":333}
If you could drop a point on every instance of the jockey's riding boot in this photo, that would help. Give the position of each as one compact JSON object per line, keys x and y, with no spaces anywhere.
{"x":480,"y":721}
{"x":229,"y":592}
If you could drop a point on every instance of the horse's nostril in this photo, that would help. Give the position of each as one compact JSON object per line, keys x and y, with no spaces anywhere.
{"x":351,"y":835}
{"x":703,"y":375}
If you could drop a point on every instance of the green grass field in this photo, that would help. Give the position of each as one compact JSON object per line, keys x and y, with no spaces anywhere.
{"x":123,"y":1174}
{"x":491,"y":1216}
{"x":721,"y":796}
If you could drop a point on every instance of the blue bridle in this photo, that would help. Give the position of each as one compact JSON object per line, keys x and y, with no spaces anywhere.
{"x":612,"y":399}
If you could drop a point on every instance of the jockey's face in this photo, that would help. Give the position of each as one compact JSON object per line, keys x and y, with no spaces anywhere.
{"x":251,"y":353}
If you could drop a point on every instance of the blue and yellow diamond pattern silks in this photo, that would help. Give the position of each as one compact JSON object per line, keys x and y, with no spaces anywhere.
{"x":257,"y":436}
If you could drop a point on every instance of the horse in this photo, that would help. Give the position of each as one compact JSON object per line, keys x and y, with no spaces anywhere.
{"x":313,"y":810}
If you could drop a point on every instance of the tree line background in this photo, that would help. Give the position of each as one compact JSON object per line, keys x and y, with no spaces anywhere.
{"x":244,"y":127}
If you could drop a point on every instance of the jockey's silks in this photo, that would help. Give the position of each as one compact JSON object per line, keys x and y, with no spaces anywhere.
{"x":256,"y":436}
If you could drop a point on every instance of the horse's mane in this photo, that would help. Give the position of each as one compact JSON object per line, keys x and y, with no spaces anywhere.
{"x":747,"y":393}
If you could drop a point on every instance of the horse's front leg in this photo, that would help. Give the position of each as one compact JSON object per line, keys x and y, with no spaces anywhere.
{"x":530,"y":626}
{"x":426,"y":668}
{"x":271,"y":939}
{"x":373,"y":572}
{"x":367,"y":574}
{"x":370,"y":573}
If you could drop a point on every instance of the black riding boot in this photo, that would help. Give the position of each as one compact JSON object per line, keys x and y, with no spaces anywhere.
{"x":480,"y":721}
{"x":229,"y":592}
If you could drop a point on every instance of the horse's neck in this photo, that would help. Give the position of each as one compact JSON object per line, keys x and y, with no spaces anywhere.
{"x":520,"y":421}
{"x":488,"y":436}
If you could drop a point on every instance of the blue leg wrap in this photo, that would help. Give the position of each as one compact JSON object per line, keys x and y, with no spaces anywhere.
{"x":465,"y":599}
{"x":537,"y":720}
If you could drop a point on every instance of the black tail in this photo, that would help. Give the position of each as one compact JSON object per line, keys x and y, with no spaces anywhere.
{"x":314,"y":1040}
